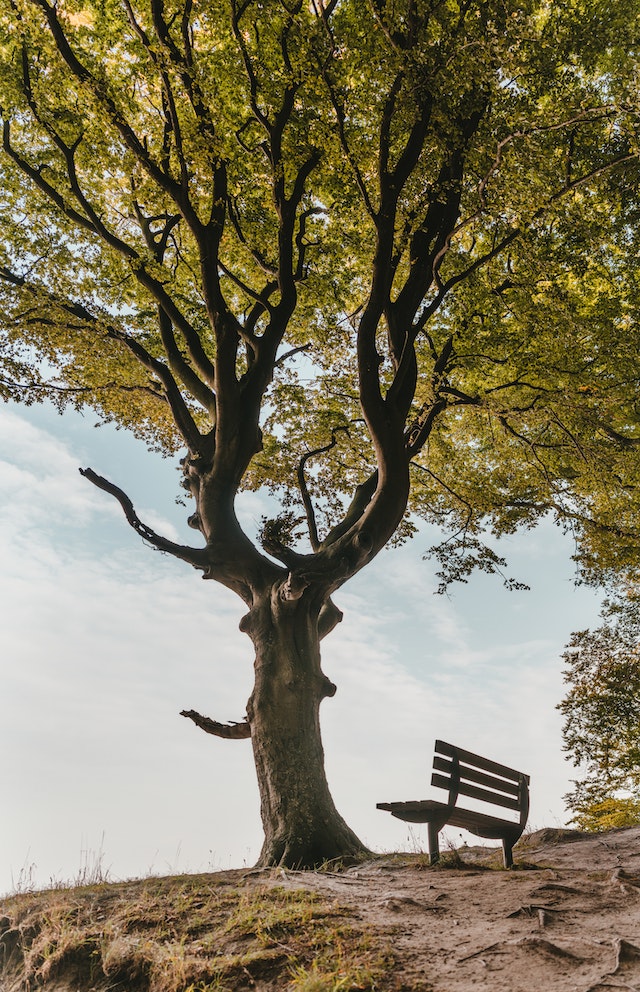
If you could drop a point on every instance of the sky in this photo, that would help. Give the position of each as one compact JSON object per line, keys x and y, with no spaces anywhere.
{"x":105,"y":640}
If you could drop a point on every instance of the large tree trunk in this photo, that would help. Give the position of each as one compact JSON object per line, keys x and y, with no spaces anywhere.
{"x":301,"y":824}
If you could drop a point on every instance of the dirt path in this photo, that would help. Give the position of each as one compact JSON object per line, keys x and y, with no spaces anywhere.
{"x":567,"y":918}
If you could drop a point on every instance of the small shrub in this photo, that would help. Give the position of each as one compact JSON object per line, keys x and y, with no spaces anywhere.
{"x":607,"y":814}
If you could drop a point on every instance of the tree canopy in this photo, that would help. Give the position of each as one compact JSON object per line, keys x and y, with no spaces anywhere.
{"x":452,"y":183}
{"x":377,"y":257}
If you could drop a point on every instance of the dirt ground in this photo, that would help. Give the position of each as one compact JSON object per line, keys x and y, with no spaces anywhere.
{"x":566,"y":918}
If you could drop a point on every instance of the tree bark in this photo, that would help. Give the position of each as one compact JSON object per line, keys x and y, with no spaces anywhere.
{"x":301,"y":824}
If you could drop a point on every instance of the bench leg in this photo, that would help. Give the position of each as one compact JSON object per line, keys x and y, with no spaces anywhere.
{"x":434,"y":849}
{"x":507,"y":854}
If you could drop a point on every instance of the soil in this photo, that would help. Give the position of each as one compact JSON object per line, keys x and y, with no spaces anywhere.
{"x":566,"y":917}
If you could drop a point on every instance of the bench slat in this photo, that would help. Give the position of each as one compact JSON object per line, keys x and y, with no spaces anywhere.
{"x":479,"y":778}
{"x":495,"y":798}
{"x":418,"y":811}
{"x":425,"y":810}
{"x":478,"y":761}
{"x":491,"y":827}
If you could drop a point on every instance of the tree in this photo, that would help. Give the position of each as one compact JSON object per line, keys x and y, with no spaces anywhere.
{"x":373,"y":257}
{"x":602,"y":725}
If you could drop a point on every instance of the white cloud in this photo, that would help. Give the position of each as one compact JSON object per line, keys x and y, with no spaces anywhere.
{"x":39,"y":476}
{"x":103,"y":644}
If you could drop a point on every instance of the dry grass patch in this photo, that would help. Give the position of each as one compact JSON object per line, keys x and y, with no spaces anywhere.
{"x":205,"y":933}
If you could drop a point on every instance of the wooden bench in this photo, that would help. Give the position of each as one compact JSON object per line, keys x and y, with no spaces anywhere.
{"x":464,"y":774}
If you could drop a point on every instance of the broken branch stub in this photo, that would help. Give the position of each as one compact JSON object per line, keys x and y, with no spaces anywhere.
{"x":229,"y":731}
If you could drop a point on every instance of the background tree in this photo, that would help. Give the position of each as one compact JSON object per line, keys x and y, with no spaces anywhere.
{"x":374,"y":257}
{"x":602,"y":720}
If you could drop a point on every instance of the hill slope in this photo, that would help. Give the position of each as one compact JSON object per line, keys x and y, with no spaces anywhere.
{"x":567,"y":918}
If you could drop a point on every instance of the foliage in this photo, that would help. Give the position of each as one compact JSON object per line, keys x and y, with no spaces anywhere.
{"x":602,"y":725}
{"x":606,"y":814}
{"x":173,"y":169}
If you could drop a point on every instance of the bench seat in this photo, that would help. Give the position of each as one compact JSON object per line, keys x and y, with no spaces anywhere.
{"x":428,"y":810}
{"x":462,"y":773}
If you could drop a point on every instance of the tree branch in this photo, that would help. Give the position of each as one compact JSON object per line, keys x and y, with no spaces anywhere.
{"x":261,"y":299}
{"x":452,"y":492}
{"x":341,"y":117}
{"x":420,"y":430}
{"x":50,"y":387}
{"x":269,"y":269}
{"x":622,"y":439}
{"x":304,"y":489}
{"x":289,"y":354}
{"x":303,"y":245}
{"x":91,"y":222}
{"x":444,"y":288}
{"x":126,"y":132}
{"x":198,"y":557}
{"x":181,"y":413}
{"x":330,"y":617}
{"x":230,"y":731}
{"x":361,"y":499}
{"x":182,"y":62}
{"x":36,"y":177}
{"x":181,"y":368}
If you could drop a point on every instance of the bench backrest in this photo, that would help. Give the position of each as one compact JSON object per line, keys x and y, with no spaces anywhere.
{"x":466,"y":774}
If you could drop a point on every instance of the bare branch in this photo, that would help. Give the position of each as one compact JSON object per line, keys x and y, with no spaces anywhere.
{"x":289,"y":354}
{"x":198,"y":557}
{"x":230,"y":731}
{"x":304,"y":489}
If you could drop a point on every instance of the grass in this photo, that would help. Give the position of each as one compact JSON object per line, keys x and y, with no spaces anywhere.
{"x":203,"y":933}
{"x":91,"y":871}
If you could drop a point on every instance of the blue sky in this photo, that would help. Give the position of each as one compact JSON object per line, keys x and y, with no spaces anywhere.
{"x":106,"y":640}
